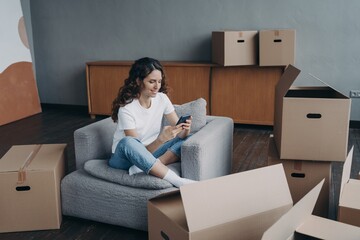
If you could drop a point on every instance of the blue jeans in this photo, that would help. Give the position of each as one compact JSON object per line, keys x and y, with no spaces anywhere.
{"x":130,"y":151}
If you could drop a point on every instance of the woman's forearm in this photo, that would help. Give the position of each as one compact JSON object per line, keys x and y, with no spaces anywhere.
{"x":154,"y":145}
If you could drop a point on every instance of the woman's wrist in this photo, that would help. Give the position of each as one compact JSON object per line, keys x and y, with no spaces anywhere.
{"x":183,"y":134}
{"x":160,"y":139}
{"x":155,"y":144}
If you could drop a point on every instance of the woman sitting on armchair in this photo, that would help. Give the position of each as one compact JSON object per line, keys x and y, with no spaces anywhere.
{"x":139,"y":143}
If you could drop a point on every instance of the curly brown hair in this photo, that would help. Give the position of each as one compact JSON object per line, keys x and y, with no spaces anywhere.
{"x":131,"y":89}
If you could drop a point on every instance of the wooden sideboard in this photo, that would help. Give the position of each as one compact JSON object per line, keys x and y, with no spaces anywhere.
{"x":244,"y":93}
{"x":187,"y":81}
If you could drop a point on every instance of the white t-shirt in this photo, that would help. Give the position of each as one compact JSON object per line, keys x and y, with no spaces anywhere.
{"x":147,"y":122}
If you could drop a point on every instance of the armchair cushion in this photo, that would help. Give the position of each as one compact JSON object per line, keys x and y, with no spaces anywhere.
{"x":196,"y":108}
{"x":100,"y":169}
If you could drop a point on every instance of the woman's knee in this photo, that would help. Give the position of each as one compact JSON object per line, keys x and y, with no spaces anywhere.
{"x":128,"y":140}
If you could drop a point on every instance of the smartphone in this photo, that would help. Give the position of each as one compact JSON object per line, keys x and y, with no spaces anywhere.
{"x":183,"y":119}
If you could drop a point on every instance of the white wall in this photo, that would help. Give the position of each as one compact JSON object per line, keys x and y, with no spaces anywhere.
{"x":12,"y":49}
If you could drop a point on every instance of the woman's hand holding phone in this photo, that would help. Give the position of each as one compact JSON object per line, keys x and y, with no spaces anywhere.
{"x":185,"y":122}
{"x":170,"y":132}
{"x":183,"y":119}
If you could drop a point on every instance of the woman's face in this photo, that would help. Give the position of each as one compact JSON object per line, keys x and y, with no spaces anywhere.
{"x":151,"y":84}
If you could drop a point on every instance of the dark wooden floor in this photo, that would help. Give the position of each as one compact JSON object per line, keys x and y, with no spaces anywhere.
{"x":56,"y":124}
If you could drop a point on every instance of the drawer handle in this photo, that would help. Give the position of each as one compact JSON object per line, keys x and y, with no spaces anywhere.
{"x":298,"y":175}
{"x":277,"y":40}
{"x":313,"y":115}
{"x":241,"y":41}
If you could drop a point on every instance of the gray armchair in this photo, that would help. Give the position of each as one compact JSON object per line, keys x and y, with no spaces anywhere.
{"x":96,"y":192}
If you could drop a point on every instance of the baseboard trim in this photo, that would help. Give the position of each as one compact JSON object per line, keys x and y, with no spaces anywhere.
{"x":80,"y":108}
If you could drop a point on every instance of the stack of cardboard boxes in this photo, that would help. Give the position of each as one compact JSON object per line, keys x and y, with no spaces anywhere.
{"x":311,"y":130}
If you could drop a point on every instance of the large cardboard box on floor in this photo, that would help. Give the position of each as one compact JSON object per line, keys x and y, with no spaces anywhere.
{"x":276,"y":47}
{"x":30,"y":187}
{"x":349,"y":199}
{"x":311,"y":123}
{"x":235,"y":48}
{"x":237,"y":206}
{"x":302,"y":176}
{"x":299,"y":223}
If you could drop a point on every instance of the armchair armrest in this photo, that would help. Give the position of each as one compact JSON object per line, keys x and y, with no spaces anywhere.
{"x":208,"y":153}
{"x":94,"y":141}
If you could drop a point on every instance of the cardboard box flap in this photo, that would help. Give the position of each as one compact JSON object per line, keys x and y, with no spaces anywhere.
{"x":30,"y":157}
{"x":41,"y":161}
{"x":16,"y":157}
{"x":328,"y":85}
{"x":350,"y":195}
{"x":289,"y":76}
{"x":225,"y":199}
{"x":166,"y":194}
{"x":323,"y":228}
{"x":346,"y":170}
{"x":290,"y":221}
{"x":286,"y":80}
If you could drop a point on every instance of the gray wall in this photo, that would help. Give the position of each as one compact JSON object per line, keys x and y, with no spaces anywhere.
{"x":68,"y":33}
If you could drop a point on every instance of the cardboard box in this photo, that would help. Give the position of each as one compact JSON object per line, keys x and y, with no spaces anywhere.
{"x":30,"y":187}
{"x":311,"y":123}
{"x":237,"y":206}
{"x":349,"y":199}
{"x":276,"y":47}
{"x":302,"y":176}
{"x":234,"y":48}
{"x":299,"y":223}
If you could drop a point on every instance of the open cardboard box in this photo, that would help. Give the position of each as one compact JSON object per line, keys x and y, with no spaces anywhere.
{"x":349,"y":200}
{"x":299,"y":223}
{"x":302,"y":176}
{"x":311,"y":123}
{"x":30,"y":178}
{"x":237,"y":206}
